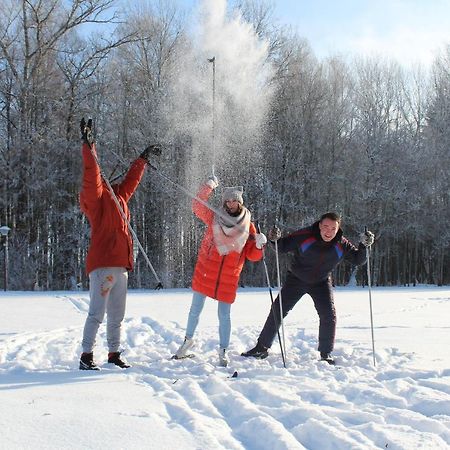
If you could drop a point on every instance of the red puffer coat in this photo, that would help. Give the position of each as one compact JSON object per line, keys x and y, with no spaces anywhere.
{"x":111,"y":244}
{"x":215,"y":275}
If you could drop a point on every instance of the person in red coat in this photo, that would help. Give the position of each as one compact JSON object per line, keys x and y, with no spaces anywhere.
{"x":229,"y":240}
{"x":110,"y":254}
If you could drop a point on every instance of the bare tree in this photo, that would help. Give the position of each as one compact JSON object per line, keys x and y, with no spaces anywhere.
{"x":38,"y":192}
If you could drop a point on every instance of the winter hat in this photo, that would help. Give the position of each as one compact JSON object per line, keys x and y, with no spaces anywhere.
{"x":233,"y":193}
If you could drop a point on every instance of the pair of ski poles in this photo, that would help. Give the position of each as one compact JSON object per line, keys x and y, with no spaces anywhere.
{"x":281,"y":338}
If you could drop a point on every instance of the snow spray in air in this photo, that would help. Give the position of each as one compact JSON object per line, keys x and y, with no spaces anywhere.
{"x":224,"y":125}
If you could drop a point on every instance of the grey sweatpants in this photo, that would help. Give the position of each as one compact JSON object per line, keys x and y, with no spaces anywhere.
{"x":108,"y":293}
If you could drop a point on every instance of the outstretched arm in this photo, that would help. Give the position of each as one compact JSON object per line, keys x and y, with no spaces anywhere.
{"x":136,"y":172}
{"x":132,"y":179}
{"x":198,"y":208}
{"x":358,"y":256}
{"x":352,"y":254}
{"x":287,"y":243}
{"x":92,"y":188}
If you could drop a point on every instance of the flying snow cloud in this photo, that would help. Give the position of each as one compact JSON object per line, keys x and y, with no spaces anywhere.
{"x":220,"y":94}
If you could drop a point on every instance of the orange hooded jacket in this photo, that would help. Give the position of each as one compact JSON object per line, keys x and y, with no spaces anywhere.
{"x":111,"y":243}
{"x":215,"y":275}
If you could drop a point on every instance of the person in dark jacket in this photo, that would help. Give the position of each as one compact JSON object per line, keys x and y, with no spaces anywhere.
{"x":110,"y":254}
{"x":317,"y":250}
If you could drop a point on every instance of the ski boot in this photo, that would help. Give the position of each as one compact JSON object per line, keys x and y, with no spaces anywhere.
{"x":259,"y":351}
{"x":223,"y":358}
{"x":324,"y":356}
{"x":182,"y":352}
{"x":114,"y":358}
{"x":87,"y":362}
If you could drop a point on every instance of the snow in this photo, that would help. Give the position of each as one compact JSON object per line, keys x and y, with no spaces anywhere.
{"x":401,"y":403}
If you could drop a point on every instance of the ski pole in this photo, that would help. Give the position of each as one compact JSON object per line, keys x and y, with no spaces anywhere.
{"x":279,"y":295}
{"x":213,"y":137}
{"x":125,"y":218}
{"x":271,"y":299}
{"x":225,"y":217}
{"x":369,"y":284}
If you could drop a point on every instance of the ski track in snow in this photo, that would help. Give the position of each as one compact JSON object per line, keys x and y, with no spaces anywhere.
{"x":267,"y":406}
{"x":80,"y":304}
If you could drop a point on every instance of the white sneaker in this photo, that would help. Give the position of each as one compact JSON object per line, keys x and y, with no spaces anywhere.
{"x":223,"y":358}
{"x":185,"y":347}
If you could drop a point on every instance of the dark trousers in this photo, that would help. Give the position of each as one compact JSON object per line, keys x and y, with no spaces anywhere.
{"x":291,"y":292}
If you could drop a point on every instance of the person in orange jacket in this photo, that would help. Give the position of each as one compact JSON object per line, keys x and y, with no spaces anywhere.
{"x":229,"y":240}
{"x":110,"y":254}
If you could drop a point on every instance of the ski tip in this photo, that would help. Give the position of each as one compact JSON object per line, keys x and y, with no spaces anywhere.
{"x":189,"y":356}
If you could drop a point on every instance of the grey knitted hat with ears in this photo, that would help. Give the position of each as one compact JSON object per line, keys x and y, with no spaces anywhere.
{"x":233,"y":193}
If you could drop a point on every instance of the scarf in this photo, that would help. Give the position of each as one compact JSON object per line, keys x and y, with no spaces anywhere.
{"x":231,"y":233}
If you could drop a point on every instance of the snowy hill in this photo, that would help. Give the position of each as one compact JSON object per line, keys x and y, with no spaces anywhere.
{"x":402,"y":403}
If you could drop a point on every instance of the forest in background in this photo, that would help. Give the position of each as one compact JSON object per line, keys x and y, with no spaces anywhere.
{"x":365,"y":137}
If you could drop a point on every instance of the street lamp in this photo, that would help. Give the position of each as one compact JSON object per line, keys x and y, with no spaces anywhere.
{"x":4,"y":230}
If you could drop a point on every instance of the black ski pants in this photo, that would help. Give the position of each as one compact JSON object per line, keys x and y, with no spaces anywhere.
{"x":291,"y":292}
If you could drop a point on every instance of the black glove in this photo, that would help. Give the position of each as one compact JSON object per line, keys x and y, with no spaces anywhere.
{"x":274,"y":234}
{"x":87,"y":135}
{"x":150,"y":150}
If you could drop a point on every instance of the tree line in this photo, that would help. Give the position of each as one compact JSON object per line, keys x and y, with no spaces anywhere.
{"x":364,"y":137}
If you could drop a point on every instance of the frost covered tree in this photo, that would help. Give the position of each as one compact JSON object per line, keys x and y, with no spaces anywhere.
{"x":37,"y":157}
{"x":363,"y":137}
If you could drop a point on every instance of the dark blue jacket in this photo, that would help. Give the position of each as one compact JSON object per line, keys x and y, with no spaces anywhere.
{"x":314,"y":259}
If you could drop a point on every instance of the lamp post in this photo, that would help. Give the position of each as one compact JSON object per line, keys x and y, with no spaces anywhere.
{"x":4,"y":230}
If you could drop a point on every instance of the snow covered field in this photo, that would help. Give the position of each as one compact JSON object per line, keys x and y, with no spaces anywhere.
{"x":402,"y":403}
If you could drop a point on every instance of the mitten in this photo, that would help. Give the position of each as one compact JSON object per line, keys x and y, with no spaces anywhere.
{"x":212,"y":182}
{"x":367,"y":238}
{"x":274,"y":234}
{"x":260,"y":240}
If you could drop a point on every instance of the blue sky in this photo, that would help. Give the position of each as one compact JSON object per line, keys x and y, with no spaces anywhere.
{"x":410,"y":31}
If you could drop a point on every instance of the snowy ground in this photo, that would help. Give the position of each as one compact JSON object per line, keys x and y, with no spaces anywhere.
{"x":402,"y":403}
